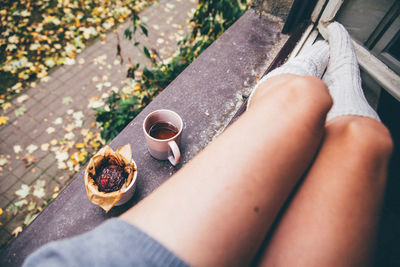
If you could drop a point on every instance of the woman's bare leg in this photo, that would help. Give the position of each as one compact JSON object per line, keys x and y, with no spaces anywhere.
{"x":218,"y":208}
{"x":332,"y":219}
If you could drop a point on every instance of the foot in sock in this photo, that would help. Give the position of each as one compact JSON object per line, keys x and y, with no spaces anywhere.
{"x":312,"y":62}
{"x":343,"y":76}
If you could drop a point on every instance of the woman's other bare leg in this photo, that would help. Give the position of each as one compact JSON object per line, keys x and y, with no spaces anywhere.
{"x":218,"y":208}
{"x":332,"y":219}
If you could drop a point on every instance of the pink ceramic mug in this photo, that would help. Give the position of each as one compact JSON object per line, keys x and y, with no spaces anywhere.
{"x":162,"y":129}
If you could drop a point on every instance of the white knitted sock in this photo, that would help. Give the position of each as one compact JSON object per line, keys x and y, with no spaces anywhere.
{"x":311,"y":62}
{"x":343,"y":76}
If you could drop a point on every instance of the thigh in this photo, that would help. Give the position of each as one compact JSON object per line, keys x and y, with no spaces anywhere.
{"x":217,"y":209}
{"x":332,"y":218}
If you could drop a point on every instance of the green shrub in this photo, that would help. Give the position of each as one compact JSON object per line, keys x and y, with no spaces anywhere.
{"x":210,"y":20}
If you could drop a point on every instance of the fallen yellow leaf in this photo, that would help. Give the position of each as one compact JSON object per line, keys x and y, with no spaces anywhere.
{"x":80,"y":145}
{"x":17,"y":231}
{"x":6,"y":106}
{"x":53,"y":142}
{"x":3,"y":120}
{"x":78,"y":157}
{"x":1,"y":211}
{"x":95,"y":144}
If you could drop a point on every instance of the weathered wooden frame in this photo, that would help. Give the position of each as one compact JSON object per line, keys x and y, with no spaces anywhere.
{"x":325,"y":11}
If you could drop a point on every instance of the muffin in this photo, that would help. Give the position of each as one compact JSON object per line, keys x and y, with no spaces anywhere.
{"x":108,"y":176}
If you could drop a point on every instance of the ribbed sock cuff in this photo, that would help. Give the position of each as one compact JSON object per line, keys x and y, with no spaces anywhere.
{"x":312,"y":62}
{"x":354,"y":112}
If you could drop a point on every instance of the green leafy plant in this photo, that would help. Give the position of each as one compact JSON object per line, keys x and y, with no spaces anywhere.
{"x":210,"y":20}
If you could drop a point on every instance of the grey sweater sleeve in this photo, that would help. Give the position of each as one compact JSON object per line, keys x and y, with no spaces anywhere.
{"x":113,"y":243}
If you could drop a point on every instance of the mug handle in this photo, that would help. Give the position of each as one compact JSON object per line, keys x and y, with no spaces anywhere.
{"x":174,"y":154}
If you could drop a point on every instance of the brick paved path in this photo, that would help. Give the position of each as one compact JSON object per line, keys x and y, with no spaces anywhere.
{"x":58,"y":110}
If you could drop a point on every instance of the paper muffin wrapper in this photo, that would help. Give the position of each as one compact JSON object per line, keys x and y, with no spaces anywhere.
{"x":123,"y":158}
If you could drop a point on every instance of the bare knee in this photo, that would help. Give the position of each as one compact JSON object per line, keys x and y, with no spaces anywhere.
{"x":305,"y":93}
{"x":311,"y":92}
{"x":367,"y":140}
{"x":308,"y":97}
{"x":304,"y":100}
{"x":371,"y":136}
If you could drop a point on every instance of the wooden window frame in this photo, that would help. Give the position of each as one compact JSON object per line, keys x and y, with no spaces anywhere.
{"x":325,"y":11}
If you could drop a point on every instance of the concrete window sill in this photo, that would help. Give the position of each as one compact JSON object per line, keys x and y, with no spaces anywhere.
{"x":206,"y":95}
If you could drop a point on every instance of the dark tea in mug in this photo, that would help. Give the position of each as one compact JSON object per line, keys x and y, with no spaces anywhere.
{"x":163,"y":130}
